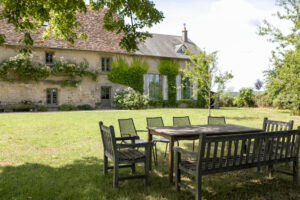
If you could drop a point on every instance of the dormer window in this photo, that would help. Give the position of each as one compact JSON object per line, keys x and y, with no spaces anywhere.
{"x":181,"y":49}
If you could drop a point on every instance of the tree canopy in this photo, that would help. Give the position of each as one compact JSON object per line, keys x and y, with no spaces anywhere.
{"x":283,"y":79}
{"x":202,"y":70}
{"x":28,"y":15}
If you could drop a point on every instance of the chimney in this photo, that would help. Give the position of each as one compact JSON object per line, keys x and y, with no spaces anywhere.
{"x":184,"y":34}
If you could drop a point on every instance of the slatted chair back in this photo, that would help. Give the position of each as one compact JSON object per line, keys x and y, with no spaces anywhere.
{"x":108,"y":140}
{"x":233,"y":152}
{"x":181,"y":121}
{"x":215,"y":120}
{"x":271,"y":125}
{"x":127,"y":127}
{"x":155,"y":122}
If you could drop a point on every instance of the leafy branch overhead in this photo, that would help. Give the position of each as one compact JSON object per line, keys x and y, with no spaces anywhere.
{"x":28,"y":15}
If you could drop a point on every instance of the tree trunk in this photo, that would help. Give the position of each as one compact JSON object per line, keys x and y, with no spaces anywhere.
{"x":209,"y":103}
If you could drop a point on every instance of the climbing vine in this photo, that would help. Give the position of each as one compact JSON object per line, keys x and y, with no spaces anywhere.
{"x":131,"y":75}
{"x":170,"y":68}
{"x":22,"y":68}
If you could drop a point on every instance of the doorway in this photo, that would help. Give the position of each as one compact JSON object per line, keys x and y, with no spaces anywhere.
{"x":106,"y":97}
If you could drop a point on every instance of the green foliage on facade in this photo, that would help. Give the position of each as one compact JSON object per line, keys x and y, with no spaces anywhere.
{"x":22,"y":68}
{"x":131,"y":75}
{"x":170,"y":69}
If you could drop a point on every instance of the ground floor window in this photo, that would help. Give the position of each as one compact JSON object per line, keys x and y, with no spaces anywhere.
{"x":185,"y":89}
{"x":154,"y":86}
{"x":105,"y":92}
{"x":52,"y":96}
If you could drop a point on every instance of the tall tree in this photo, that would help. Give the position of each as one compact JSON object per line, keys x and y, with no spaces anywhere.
{"x":29,"y":15}
{"x":283,"y":79}
{"x":202,"y":70}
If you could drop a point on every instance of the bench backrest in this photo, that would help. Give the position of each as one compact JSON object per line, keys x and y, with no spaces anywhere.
{"x":272,"y":125}
{"x":108,"y":140}
{"x":229,"y":152}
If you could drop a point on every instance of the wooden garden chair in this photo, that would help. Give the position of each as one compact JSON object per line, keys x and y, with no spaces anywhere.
{"x":183,"y":121}
{"x":127,"y":129}
{"x":123,"y":155}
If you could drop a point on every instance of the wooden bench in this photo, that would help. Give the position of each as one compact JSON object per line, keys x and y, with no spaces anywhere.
{"x":217,"y":154}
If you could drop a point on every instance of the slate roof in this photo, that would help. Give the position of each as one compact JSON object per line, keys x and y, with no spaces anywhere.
{"x":100,"y":40}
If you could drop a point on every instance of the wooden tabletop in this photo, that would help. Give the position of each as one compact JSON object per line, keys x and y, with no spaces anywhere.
{"x":220,"y":129}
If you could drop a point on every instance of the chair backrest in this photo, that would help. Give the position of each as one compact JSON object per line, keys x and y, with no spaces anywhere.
{"x":181,"y":121}
{"x":155,"y":121}
{"x":216,"y":120}
{"x":108,"y":139}
{"x":228,"y":152}
{"x":127,"y":127}
{"x":271,"y":125}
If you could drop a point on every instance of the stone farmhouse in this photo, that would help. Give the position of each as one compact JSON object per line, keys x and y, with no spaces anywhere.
{"x":100,"y":49}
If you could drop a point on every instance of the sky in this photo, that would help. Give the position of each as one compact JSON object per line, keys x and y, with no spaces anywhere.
{"x":227,"y":26}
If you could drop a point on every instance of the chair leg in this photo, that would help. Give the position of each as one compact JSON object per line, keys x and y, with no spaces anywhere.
{"x":198,"y":187}
{"x":133,"y":168}
{"x":116,"y":175}
{"x":105,"y":165}
{"x":147,"y":165}
{"x":270,"y":170}
{"x":296,"y":172}
{"x":177,"y":171}
{"x":154,"y":151}
{"x":166,"y":149}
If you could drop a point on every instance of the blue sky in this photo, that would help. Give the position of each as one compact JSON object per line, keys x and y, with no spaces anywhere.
{"x":227,"y":26}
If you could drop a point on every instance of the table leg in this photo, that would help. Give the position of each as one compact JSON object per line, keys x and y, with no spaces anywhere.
{"x":150,"y":158}
{"x":171,"y":160}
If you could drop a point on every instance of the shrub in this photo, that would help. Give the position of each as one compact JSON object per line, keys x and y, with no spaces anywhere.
{"x":130,"y":99}
{"x":67,"y":107}
{"x":85,"y":107}
{"x":226,"y":99}
{"x":41,"y":109}
{"x":245,"y":98}
{"x":261,"y":100}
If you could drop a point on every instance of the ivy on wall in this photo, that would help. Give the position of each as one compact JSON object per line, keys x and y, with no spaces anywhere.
{"x":22,"y":68}
{"x":170,"y":69}
{"x":131,"y":75}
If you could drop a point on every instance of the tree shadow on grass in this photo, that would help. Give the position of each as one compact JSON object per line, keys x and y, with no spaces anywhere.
{"x":83,"y":179}
{"x":242,"y":118}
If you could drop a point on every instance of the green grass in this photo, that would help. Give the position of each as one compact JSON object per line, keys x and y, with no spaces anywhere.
{"x":58,"y":155}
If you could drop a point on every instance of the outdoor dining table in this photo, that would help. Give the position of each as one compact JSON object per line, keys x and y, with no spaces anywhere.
{"x":175,"y":133}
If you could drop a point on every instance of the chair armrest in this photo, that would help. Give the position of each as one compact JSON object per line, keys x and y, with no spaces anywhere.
{"x":185,"y":152}
{"x":127,"y":138}
{"x":146,"y":144}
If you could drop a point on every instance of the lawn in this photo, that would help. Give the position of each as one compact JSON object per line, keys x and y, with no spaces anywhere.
{"x":58,"y":155}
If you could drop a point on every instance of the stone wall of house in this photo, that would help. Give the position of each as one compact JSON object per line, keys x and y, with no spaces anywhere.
{"x":88,"y":92}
